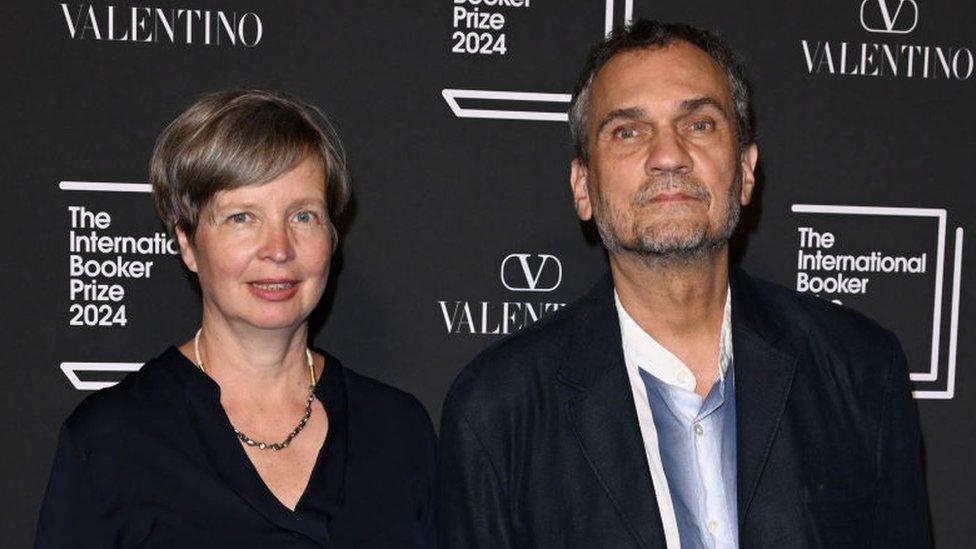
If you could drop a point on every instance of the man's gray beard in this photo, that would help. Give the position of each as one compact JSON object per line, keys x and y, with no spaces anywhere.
{"x":650,"y":246}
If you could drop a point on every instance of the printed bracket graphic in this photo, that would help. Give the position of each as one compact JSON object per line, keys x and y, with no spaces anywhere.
{"x":556,"y":100}
{"x":452,"y":96}
{"x":940,"y":215}
{"x":101,"y":186}
{"x":71,"y":370}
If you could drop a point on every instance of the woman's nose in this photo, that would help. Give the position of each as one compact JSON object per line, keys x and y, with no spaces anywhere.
{"x":277,"y":245}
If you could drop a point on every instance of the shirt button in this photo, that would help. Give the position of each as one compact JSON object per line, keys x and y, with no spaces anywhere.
{"x":698,"y":431}
{"x":712,"y":526}
{"x":681,"y":376}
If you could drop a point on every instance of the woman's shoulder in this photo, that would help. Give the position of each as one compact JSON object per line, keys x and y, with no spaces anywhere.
{"x":141,"y":396}
{"x":387,"y":406}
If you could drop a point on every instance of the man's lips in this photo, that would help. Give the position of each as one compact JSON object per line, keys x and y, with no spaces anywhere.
{"x":671,"y":191}
{"x":676,"y":196}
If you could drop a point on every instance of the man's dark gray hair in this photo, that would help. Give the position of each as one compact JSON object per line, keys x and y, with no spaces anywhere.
{"x":646,"y":34}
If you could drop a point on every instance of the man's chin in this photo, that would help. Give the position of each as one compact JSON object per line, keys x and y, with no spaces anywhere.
{"x":666,"y":250}
{"x":688,"y":244}
{"x":670,"y":236}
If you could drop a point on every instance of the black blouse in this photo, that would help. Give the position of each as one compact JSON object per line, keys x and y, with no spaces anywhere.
{"x":154,"y":462}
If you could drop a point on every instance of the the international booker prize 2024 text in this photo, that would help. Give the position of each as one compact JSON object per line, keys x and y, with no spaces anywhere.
{"x":820,"y":269}
{"x":478,"y":28}
{"x":99,"y":265}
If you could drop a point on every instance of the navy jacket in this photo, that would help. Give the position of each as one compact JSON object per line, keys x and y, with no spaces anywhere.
{"x":154,"y":462}
{"x":540,"y":444}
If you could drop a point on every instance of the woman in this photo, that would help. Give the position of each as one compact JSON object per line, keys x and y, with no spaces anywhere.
{"x":242,"y":436}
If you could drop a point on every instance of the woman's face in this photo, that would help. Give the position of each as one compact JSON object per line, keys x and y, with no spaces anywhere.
{"x":262,"y":252}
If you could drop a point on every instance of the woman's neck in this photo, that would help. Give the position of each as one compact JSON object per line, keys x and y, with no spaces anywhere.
{"x":266,"y":367}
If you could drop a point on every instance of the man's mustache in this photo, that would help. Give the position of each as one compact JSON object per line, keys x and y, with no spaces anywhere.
{"x":672,"y":184}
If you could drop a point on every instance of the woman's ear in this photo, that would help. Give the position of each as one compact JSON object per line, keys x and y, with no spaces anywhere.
{"x":186,"y":250}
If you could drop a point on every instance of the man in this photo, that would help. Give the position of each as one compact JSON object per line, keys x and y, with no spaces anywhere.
{"x":680,"y":403}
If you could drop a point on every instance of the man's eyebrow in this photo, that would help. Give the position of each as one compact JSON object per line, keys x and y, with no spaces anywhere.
{"x":628,"y":113}
{"x":690,"y":105}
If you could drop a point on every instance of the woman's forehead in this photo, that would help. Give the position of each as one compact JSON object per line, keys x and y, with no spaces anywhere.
{"x":306,"y":181}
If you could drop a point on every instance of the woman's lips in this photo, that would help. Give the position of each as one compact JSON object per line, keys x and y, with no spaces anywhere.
{"x":273,"y":289}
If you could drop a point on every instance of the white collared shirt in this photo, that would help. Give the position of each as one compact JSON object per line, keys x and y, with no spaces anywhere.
{"x":642,"y":352}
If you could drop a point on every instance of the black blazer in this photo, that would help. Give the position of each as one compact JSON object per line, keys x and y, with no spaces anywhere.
{"x":154,"y":462}
{"x":540,"y":445}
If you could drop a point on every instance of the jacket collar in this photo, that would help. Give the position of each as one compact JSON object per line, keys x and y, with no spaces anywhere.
{"x":596,"y":327}
{"x":605,"y":420}
{"x":764,"y":367}
{"x":602,"y":413}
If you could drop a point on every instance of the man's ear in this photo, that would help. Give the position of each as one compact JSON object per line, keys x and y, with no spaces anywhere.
{"x":578,"y":181}
{"x":186,"y":250}
{"x":750,"y":155}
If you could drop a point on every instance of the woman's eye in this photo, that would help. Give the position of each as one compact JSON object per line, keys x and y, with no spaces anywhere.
{"x":240,"y":217}
{"x":305,"y":217}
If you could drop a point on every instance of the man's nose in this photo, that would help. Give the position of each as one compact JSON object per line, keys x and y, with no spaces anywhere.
{"x":667,"y":154}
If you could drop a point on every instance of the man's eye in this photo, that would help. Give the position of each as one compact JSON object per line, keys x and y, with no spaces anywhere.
{"x":240,"y":217}
{"x":625,"y":133}
{"x":702,"y":125}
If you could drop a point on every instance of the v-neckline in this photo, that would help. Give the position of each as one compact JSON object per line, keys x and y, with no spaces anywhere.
{"x":319,"y":457}
{"x":323,"y":491}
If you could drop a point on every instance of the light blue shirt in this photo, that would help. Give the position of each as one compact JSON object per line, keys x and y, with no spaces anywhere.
{"x":689,"y":441}
{"x":696,"y":438}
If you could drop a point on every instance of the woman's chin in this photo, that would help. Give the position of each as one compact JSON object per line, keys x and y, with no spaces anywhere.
{"x":275,"y":322}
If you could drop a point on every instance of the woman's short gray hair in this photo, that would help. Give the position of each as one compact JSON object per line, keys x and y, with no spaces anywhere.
{"x":236,"y":138}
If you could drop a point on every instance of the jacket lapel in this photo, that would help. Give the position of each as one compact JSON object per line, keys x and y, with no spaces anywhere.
{"x":601,"y":410}
{"x":763,"y":378}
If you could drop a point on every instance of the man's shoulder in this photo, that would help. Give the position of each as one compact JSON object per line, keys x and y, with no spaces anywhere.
{"x":805,"y":311}
{"x":812,"y":319}
{"x":521,"y":364}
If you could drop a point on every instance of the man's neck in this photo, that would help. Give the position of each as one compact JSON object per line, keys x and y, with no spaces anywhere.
{"x":680,"y":304}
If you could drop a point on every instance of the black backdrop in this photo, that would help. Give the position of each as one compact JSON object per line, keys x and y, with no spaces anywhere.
{"x":460,"y":161}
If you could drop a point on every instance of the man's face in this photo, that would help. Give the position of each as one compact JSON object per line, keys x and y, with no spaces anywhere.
{"x":666,"y":175}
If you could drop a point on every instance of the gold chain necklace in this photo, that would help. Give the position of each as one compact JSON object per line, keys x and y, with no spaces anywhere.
{"x":301,"y":424}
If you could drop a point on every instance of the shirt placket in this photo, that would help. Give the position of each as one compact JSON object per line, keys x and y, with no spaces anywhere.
{"x":706,"y":433}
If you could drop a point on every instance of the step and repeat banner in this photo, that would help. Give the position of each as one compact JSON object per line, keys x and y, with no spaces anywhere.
{"x":453,"y":113}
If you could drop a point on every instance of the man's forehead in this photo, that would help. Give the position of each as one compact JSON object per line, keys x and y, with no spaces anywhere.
{"x":673,"y":73}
